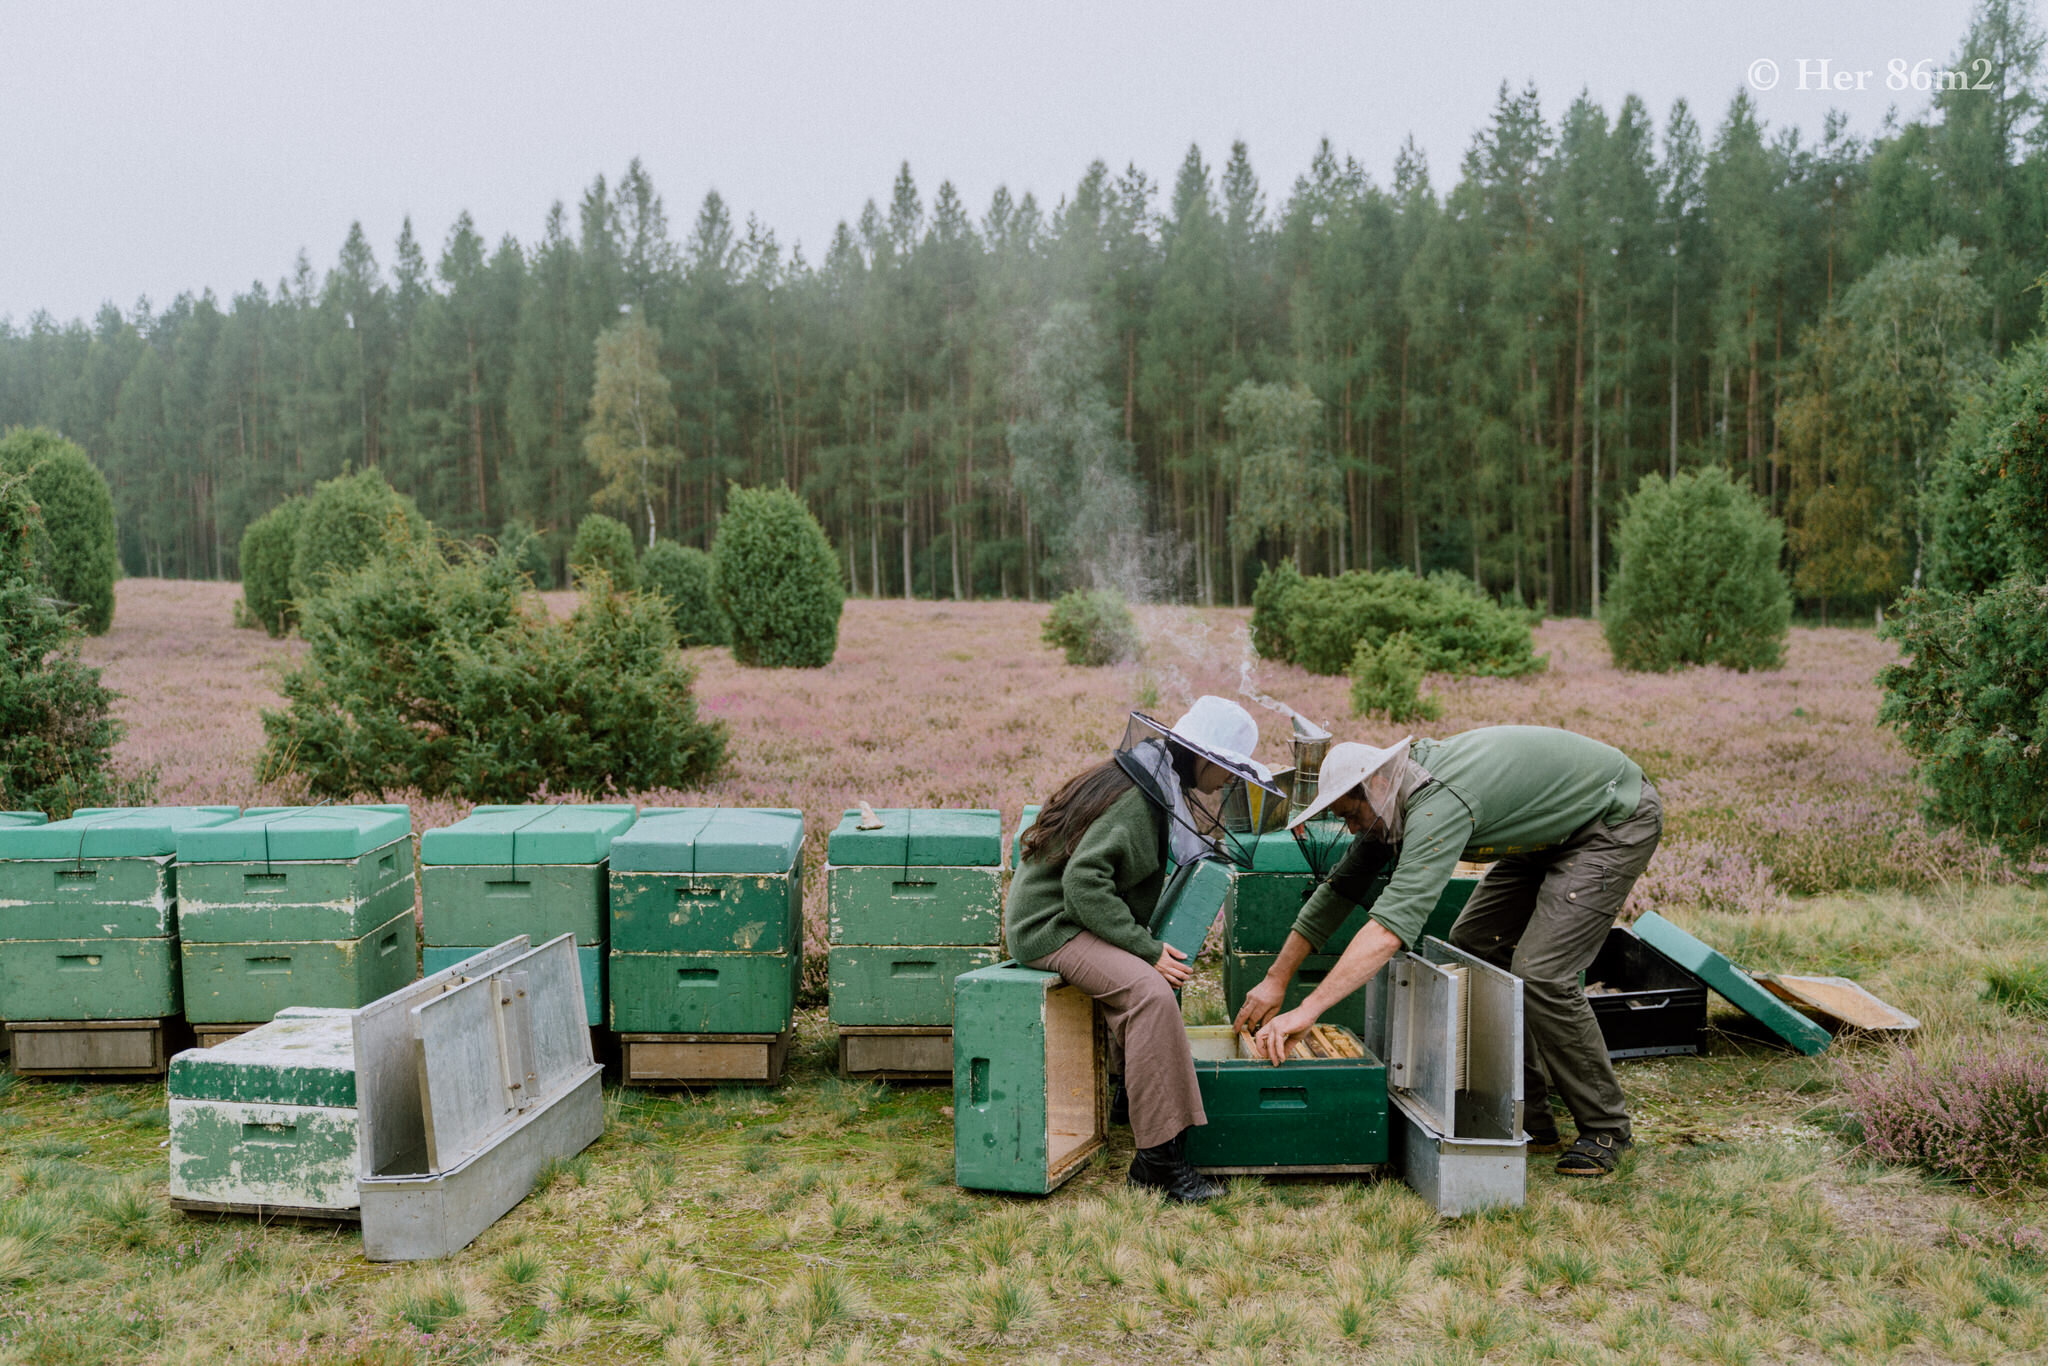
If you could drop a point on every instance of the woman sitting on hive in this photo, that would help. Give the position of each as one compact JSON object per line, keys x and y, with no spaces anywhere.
{"x":1088,"y":880}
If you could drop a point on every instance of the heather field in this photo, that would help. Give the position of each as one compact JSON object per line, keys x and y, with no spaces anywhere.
{"x":818,"y":1222}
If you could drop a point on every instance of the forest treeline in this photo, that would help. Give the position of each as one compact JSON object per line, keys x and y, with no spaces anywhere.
{"x":1464,"y":372}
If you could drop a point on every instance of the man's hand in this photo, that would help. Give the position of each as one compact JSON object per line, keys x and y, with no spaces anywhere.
{"x":1173,"y":966}
{"x":1261,"y":1004}
{"x":1280,"y":1032}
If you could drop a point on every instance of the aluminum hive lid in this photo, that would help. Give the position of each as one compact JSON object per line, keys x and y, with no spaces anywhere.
{"x":296,"y":834}
{"x":1738,"y":987}
{"x":704,"y":839}
{"x":110,"y":832}
{"x":920,"y":838}
{"x":306,"y":1056}
{"x":507,"y":835}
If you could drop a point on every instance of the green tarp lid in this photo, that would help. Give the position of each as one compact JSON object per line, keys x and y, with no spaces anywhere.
{"x":512,"y":835}
{"x":306,"y":1056}
{"x":296,"y":834}
{"x":111,"y":832}
{"x":1741,"y":990}
{"x":958,"y":838}
{"x":709,"y":839}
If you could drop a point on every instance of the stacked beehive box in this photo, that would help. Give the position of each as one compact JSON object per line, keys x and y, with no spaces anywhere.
{"x":267,"y":1122}
{"x":706,"y":943}
{"x":89,"y":937}
{"x":911,"y":904}
{"x":13,"y":820}
{"x":539,"y":871}
{"x":294,"y":906}
{"x":1268,"y":896}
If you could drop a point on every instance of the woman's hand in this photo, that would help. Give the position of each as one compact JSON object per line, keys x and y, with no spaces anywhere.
{"x":1279,"y":1034}
{"x":1261,"y":1004}
{"x":1173,"y":966}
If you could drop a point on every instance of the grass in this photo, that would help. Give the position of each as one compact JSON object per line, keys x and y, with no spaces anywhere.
{"x":1745,"y":1229}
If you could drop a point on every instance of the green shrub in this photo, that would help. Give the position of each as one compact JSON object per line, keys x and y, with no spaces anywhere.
{"x":266,"y":561}
{"x":604,"y":545}
{"x":438,"y":672}
{"x":1387,"y":679}
{"x":1700,"y":580}
{"x":1094,"y":627}
{"x":1269,"y":610}
{"x":683,"y":576}
{"x":81,"y":559}
{"x":1987,"y":499}
{"x":347,"y":522}
{"x":1970,"y":702}
{"x":1319,"y":623}
{"x":778,"y":581}
{"x":57,"y":730}
{"x":526,"y":550}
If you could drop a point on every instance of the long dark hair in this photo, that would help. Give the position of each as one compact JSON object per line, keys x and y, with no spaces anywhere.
{"x":1062,"y":821}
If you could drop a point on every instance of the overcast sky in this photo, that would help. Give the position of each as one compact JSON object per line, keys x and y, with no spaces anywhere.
{"x":152,"y":149}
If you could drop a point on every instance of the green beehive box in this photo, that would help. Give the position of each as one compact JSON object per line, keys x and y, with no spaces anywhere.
{"x":1305,"y":1115}
{"x":708,"y":880}
{"x":532,"y":870}
{"x":1243,"y":971}
{"x":1265,"y":904}
{"x":702,"y":993}
{"x":89,"y":979}
{"x":1189,"y":905}
{"x":917,"y":905}
{"x":268,"y":1120}
{"x":107,"y":872}
{"x":1030,"y":1092}
{"x":590,"y":959}
{"x":876,"y":985}
{"x":295,"y":875}
{"x":237,"y":983}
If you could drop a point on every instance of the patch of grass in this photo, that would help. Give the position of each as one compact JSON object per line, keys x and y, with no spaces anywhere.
{"x":2020,"y":987}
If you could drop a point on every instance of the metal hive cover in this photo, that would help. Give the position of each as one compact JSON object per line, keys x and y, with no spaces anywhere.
{"x":1738,"y":987}
{"x":914,"y":838}
{"x":110,"y":832}
{"x":711,"y":840}
{"x":512,"y":835}
{"x":296,"y":834}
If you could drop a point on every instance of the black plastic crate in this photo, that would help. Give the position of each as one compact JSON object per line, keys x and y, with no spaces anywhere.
{"x":1652,"y":1007}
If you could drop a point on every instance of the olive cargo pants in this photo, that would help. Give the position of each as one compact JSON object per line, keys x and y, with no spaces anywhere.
{"x":1544,"y":916}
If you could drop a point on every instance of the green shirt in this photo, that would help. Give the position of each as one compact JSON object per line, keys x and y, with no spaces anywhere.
{"x":1500,"y":790}
{"x":1110,"y":886}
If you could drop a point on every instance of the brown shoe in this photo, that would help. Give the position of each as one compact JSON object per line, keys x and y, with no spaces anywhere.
{"x":1546,"y":1140}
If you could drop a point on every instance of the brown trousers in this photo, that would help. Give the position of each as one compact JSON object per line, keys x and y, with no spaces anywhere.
{"x":1543,"y":917}
{"x":1144,"y":1018}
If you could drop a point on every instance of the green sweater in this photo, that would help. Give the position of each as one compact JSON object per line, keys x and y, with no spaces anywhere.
{"x":1500,"y":790}
{"x":1111,"y":886}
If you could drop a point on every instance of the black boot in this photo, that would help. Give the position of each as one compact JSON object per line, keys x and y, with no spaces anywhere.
{"x":1120,"y":1105}
{"x":1166,"y":1170}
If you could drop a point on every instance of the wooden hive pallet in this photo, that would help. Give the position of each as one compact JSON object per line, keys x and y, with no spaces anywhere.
{"x":899,"y":1053}
{"x":93,"y":1048}
{"x":703,"y":1059}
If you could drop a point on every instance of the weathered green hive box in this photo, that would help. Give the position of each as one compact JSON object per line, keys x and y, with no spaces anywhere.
{"x":268,"y":1119}
{"x":708,"y":880}
{"x":539,"y":871}
{"x":532,"y":870}
{"x":295,"y":906}
{"x":1194,"y":897}
{"x":924,"y":877}
{"x":879,"y":985}
{"x":1304,"y":1115}
{"x":1266,"y":902}
{"x":1030,"y":1080}
{"x":88,"y":913}
{"x":706,"y":922}
{"x":106,"y":873}
{"x":241,"y":983}
{"x":295,"y":874}
{"x":1024,"y":822}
